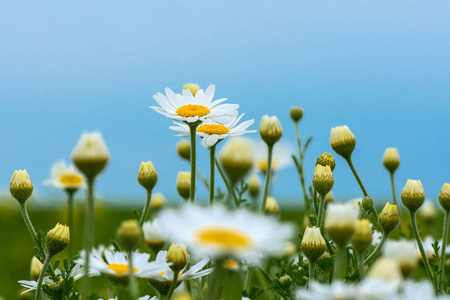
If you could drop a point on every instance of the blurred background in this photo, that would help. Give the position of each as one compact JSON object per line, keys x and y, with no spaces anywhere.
{"x":380,"y":67}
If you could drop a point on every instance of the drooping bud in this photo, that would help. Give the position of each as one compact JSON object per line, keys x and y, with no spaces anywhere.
{"x":147,"y":176}
{"x":270,"y":130}
{"x":58,"y":239}
{"x":362,"y":238}
{"x":391,"y":159}
{"x":296,"y":113}
{"x":342,"y":141}
{"x":236,"y":158}
{"x":367,"y":203}
{"x":129,"y":233}
{"x":413,"y":194}
{"x":184,"y":149}
{"x":193,"y":87}
{"x":35,"y":268}
{"x":90,"y":155}
{"x":157,"y":202}
{"x":184,"y":184}
{"x":444,"y":196}
{"x":340,"y":222}
{"x":323,"y":180}
{"x":21,"y":186}
{"x":272,"y":206}
{"x":389,"y":217}
{"x":313,"y":243}
{"x":326,"y":159}
{"x":254,"y":186}
{"x":178,"y":256}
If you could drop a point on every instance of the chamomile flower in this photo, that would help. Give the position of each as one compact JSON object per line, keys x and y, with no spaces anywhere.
{"x":162,"y":281}
{"x":219,"y":233}
{"x":154,"y":236}
{"x":281,"y":156}
{"x":213,"y":132}
{"x":116,"y":267}
{"x":65,"y":177}
{"x":190,"y":109}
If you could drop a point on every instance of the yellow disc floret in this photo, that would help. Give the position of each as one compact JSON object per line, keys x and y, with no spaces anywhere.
{"x":71,"y":180}
{"x":211,"y":129}
{"x":223,"y":238}
{"x":120,"y":269}
{"x":193,"y":110}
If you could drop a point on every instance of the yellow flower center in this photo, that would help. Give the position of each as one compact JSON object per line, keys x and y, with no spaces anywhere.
{"x":192,"y":110}
{"x":162,"y":274}
{"x":71,"y":179}
{"x":213,"y":129}
{"x":231,"y":264}
{"x":120,"y":269}
{"x":262,"y":165}
{"x":223,"y":238}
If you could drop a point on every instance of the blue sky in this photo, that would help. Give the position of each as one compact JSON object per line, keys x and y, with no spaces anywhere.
{"x":380,"y":67}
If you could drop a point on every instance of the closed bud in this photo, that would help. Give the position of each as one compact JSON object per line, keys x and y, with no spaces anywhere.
{"x":296,"y":113}
{"x":404,"y":253}
{"x":270,"y":130}
{"x":157,"y":202}
{"x":391,"y":159}
{"x":184,"y":184}
{"x":428,"y":212}
{"x":90,"y":155}
{"x":326,"y":159}
{"x":444,"y":196}
{"x":362,"y":238}
{"x":272,"y":206}
{"x":184,"y":149}
{"x":193,"y":87}
{"x":389,"y":217}
{"x":254,"y":186}
{"x":35,"y":268}
{"x":155,"y":238}
{"x":178,"y":256}
{"x":313,"y":243}
{"x":285,"y":280}
{"x":386,"y":269}
{"x":323,"y":180}
{"x":340,"y":222}
{"x":129,"y":233}
{"x":289,"y":249}
{"x":236,"y":158}
{"x":21,"y":186}
{"x":413,"y":194}
{"x":58,"y":239}
{"x":147,"y":176}
{"x":342,"y":141}
{"x":367,"y":203}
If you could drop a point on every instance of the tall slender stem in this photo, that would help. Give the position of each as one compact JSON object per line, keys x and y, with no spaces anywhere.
{"x":212,"y":171}
{"x":394,"y":199}
{"x":377,"y":249}
{"x":340,"y":267}
{"x":227,"y":184}
{"x":312,"y":265}
{"x":422,"y":250}
{"x":193,"y":132}
{"x":89,"y":235}
{"x":268,"y":175}
{"x":361,"y":264}
{"x":133,"y":283}
{"x":321,"y":215}
{"x":173,"y":286}
{"x":70,"y":196}
{"x":47,"y":260}
{"x":146,"y":211}
{"x":248,"y":279}
{"x":301,"y":170}
{"x":444,"y":244}
{"x":361,"y":185}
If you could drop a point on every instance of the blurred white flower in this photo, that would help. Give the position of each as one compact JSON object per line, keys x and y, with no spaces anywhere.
{"x":65,"y":177}
{"x":281,"y":156}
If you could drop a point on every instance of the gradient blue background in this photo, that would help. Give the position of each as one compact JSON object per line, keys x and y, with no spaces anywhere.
{"x":381,"y":67}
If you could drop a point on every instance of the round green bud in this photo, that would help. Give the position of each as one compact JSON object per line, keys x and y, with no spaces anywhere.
{"x":326,"y":159}
{"x":296,"y":113}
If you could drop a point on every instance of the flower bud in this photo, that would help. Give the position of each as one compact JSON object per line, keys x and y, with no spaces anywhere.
{"x":129,"y":233}
{"x":90,"y":155}
{"x":428,"y":212}
{"x":386,"y":269}
{"x":184,"y":184}
{"x":157,"y":202}
{"x":391,"y":159}
{"x":236,"y":158}
{"x":254,"y":185}
{"x":290,"y":249}
{"x":58,"y":239}
{"x":323,"y":180}
{"x":363,"y":235}
{"x":367,"y":203}
{"x":193,"y":87}
{"x":285,"y":280}
{"x":147,"y":176}
{"x":270,"y":130}
{"x":35,"y":268}
{"x":444,"y":196}
{"x":413,"y":194}
{"x":326,"y":159}
{"x":342,"y":141}
{"x":313,"y":243}
{"x":21,"y":186}
{"x":184,"y":149}
{"x":272,"y":206}
{"x":389,"y":217}
{"x":404,"y":253}
{"x":178,"y":256}
{"x":155,"y":238}
{"x":296,"y":113}
{"x":340,"y":222}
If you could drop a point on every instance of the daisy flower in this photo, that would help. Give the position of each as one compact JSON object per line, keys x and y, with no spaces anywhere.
{"x":65,"y":177}
{"x":281,"y":156}
{"x":162,"y":281}
{"x":155,"y":238}
{"x":116,"y":267}
{"x":219,"y":233}
{"x":213,"y":132}
{"x":190,"y":109}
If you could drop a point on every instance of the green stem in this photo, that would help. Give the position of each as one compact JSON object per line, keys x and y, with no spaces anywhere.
{"x":212,"y":171}
{"x":173,"y":286}
{"x":394,"y":199}
{"x":444,"y":244}
{"x":301,"y":170}
{"x":316,"y":206}
{"x":202,"y":179}
{"x":422,"y":251}
{"x":268,"y":175}
{"x":340,"y":267}
{"x":377,"y":249}
{"x":350,"y":164}
{"x":321,"y":211}
{"x":70,"y":196}
{"x":89,"y":235}
{"x":248,"y":279}
{"x":146,"y":211}
{"x":312,"y":264}
{"x":227,"y":184}
{"x":213,"y":289}
{"x":193,"y":131}
{"x":133,"y":283}
{"x":361,"y":264}
{"x":47,"y":260}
